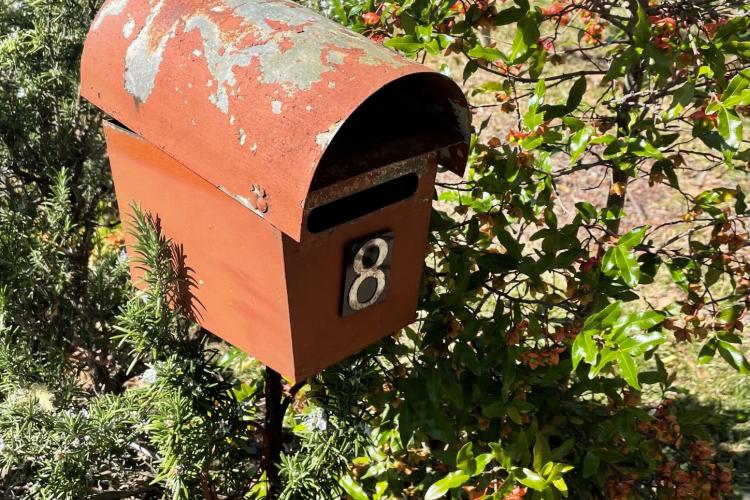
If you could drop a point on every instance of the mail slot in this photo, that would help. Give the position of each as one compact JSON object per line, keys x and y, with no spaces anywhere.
{"x":292,"y":160}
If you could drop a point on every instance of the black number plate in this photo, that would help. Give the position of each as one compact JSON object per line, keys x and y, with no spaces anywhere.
{"x":367,"y":272}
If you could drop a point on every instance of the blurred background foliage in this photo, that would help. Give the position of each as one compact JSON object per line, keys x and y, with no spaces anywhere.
{"x":582,"y":324}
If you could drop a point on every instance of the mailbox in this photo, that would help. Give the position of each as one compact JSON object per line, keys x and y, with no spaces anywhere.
{"x":292,"y":160}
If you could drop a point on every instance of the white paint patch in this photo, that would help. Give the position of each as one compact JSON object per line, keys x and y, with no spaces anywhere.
{"x":323,"y":139}
{"x":243,"y":137}
{"x":111,"y":8}
{"x":127,"y":29}
{"x":197,"y":53}
{"x":335,"y":57}
{"x":254,"y":147}
{"x":141,"y":63}
{"x":331,"y":85}
{"x":276,"y":107}
{"x":231,"y":120}
{"x":221,"y":58}
{"x":243,"y":201}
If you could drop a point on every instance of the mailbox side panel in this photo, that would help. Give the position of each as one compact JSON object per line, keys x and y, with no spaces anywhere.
{"x":233,"y":257}
{"x":315,"y":269}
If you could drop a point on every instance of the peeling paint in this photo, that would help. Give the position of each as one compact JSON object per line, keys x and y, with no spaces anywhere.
{"x":323,"y":139}
{"x":141,"y":62}
{"x":220,"y":57}
{"x":127,"y":29}
{"x":242,"y":200}
{"x":335,"y":57}
{"x":293,"y":68}
{"x":243,"y":137}
{"x":276,"y":107}
{"x":112,"y":8}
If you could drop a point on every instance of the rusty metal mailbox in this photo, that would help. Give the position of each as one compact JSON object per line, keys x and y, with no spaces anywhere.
{"x":294,"y":162}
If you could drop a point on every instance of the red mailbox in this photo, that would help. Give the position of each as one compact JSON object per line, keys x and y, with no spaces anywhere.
{"x":293,"y":160}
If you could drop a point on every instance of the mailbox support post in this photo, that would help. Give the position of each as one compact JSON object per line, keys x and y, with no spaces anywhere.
{"x":273,"y":438}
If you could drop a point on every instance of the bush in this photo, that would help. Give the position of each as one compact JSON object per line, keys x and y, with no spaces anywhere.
{"x":534,"y":368}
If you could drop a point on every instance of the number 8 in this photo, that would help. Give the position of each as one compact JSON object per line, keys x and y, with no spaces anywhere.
{"x":372,"y":271}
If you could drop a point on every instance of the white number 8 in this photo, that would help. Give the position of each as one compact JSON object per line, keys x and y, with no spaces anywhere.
{"x":372,"y":271}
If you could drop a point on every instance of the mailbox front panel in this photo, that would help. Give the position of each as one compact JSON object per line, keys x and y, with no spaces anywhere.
{"x":325,"y":331}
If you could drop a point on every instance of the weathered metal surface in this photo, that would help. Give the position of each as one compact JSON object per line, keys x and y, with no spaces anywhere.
{"x":246,"y":93}
{"x":275,"y":298}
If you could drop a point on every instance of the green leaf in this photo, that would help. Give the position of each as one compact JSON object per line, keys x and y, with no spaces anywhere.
{"x":632,"y":238}
{"x":735,"y":89}
{"x":380,"y":488}
{"x":730,"y":314}
{"x":470,"y":68}
{"x":533,"y":117}
{"x":533,"y":480}
{"x":639,"y":344}
{"x":606,"y":356}
{"x":576,"y":94}
{"x":741,"y":99}
{"x":682,"y":97}
{"x":584,"y":348}
{"x":605,"y":317}
{"x":627,"y":264}
{"x":496,"y":262}
{"x":642,"y":33}
{"x":641,"y":147}
{"x":559,"y":483}
{"x":408,"y":44}
{"x":507,"y":16}
{"x":443,"y":486}
{"x":465,"y":459}
{"x":352,"y":488}
{"x":615,"y":149}
{"x":579,"y":141}
{"x":489,"y":54}
{"x":527,"y":32}
{"x":707,"y":352}
{"x":519,"y":46}
{"x":482,"y":461}
{"x":628,"y":369}
{"x":734,"y":357}
{"x":729,"y":126}
{"x":587,"y":210}
{"x":590,"y":464}
{"x":541,"y":451}
{"x":641,"y":321}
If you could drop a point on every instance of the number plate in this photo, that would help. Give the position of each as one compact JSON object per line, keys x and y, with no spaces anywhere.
{"x":367,"y":272}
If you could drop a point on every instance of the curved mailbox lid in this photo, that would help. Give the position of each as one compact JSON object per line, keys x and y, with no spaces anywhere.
{"x":246,"y":93}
